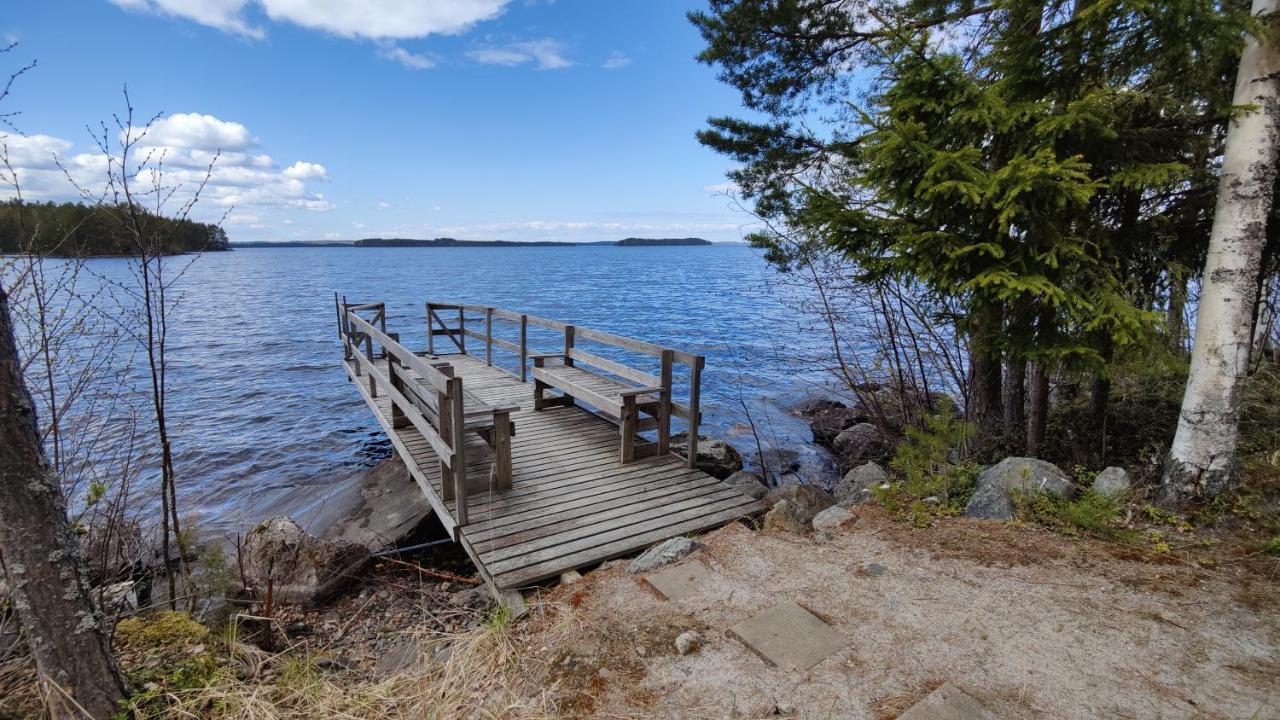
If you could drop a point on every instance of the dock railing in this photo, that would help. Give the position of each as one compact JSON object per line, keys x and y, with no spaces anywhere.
{"x":478,"y":323}
{"x":438,"y":418}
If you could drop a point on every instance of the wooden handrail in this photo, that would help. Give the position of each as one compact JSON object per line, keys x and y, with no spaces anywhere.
{"x":573,"y":334}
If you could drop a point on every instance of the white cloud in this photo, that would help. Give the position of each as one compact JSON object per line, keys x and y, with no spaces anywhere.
{"x":384,"y":205}
{"x":546,"y":52}
{"x":615,"y":60}
{"x":179,"y":152}
{"x":226,"y":15}
{"x":201,"y":132}
{"x":413,"y":61}
{"x":369,"y":19}
{"x":724,"y":188}
{"x":331,"y":236}
{"x":302,"y":170}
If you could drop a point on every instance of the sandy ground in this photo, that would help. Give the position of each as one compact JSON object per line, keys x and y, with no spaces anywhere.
{"x":1034,"y":624}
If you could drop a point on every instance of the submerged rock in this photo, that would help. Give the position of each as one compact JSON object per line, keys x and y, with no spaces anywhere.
{"x":811,"y":406}
{"x":827,"y":424}
{"x":664,"y":553}
{"x":1111,"y":481}
{"x":992,"y":498}
{"x":297,"y":566}
{"x":749,"y":483}
{"x":860,"y":483}
{"x":715,"y":457}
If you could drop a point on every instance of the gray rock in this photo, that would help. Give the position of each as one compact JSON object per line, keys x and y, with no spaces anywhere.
{"x":811,"y":406}
{"x":874,"y":569}
{"x":831,"y":518}
{"x":861,"y":443}
{"x":992,"y":498}
{"x":476,"y":597}
{"x":806,"y":501}
{"x":827,"y":424}
{"x":1111,"y":481}
{"x":664,"y":553}
{"x":379,"y":509}
{"x":689,"y":641}
{"x":118,"y":598}
{"x":298,"y":566}
{"x":715,"y":457}
{"x":807,"y":463}
{"x":860,"y":483}
{"x":403,"y":657}
{"x":748,"y":482}
{"x":784,"y":515}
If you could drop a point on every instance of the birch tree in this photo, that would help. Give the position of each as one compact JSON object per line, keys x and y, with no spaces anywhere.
{"x":1201,"y":463}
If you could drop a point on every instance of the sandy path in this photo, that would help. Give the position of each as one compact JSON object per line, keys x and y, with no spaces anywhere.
{"x":1034,"y":624}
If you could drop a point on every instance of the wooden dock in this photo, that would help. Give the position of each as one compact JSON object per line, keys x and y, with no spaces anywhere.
{"x":567,"y":499}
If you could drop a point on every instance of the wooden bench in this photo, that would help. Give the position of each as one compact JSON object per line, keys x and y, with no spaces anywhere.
{"x":626,"y":402}
{"x":491,"y":422}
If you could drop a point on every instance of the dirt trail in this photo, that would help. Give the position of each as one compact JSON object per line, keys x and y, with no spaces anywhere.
{"x":1034,"y":624}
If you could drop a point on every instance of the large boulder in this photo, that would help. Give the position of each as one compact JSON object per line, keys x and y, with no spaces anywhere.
{"x":749,"y":483}
{"x":715,"y":457}
{"x":786,"y":516}
{"x":860,"y":483}
{"x":811,"y":406}
{"x":861,"y":443}
{"x":1111,"y":481}
{"x":993,"y":496}
{"x":378,"y":509}
{"x":297,"y":566}
{"x":805,"y":501}
{"x":827,"y":424}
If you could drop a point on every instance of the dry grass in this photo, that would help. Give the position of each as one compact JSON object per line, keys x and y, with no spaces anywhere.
{"x":475,"y":674}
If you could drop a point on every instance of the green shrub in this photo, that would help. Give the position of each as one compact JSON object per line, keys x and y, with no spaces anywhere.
{"x":928,"y":470}
{"x":1094,"y":514}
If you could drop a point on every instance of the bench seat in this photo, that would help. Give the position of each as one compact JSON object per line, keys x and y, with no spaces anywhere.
{"x":624,"y":401}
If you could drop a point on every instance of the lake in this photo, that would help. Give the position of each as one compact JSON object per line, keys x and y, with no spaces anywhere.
{"x":266,"y":422}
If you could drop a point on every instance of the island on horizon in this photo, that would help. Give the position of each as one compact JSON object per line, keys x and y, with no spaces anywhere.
{"x":454,"y":242}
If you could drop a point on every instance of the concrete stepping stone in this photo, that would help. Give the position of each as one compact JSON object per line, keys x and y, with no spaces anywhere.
{"x":789,"y":636}
{"x":948,"y":703}
{"x":675,"y":582}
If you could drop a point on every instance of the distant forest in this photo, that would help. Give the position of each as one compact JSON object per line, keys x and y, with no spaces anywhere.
{"x":72,"y":229}
{"x":452,"y":242}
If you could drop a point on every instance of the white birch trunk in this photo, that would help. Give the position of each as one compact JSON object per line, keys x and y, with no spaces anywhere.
{"x":1202,"y":458}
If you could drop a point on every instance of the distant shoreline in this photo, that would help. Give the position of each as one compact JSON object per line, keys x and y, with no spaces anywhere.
{"x":453,"y":243}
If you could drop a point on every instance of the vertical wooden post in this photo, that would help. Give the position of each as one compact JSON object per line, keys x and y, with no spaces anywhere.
{"x":431,"y":331}
{"x":664,"y":407}
{"x":398,"y":418}
{"x":368,"y":353}
{"x":502,"y":451}
{"x":569,"y":332}
{"x":695,"y":409}
{"x":338,"y":312}
{"x":488,"y":336}
{"x":459,"y":444}
{"x":444,"y":423}
{"x":627,"y":429}
{"x":524,"y":348}
{"x":462,"y":329}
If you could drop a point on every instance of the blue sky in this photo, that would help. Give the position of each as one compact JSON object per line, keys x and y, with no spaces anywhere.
{"x":477,"y":119}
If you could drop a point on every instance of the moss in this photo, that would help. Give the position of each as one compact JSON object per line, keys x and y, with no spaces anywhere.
{"x":161,"y":630}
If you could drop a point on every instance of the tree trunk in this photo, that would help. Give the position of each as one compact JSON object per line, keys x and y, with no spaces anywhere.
{"x":41,"y":558}
{"x":984,"y":402}
{"x":1015,"y":399}
{"x":1201,"y":461}
{"x":1038,"y":401}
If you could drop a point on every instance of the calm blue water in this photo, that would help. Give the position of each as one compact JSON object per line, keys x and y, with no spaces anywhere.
{"x":266,"y":421}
